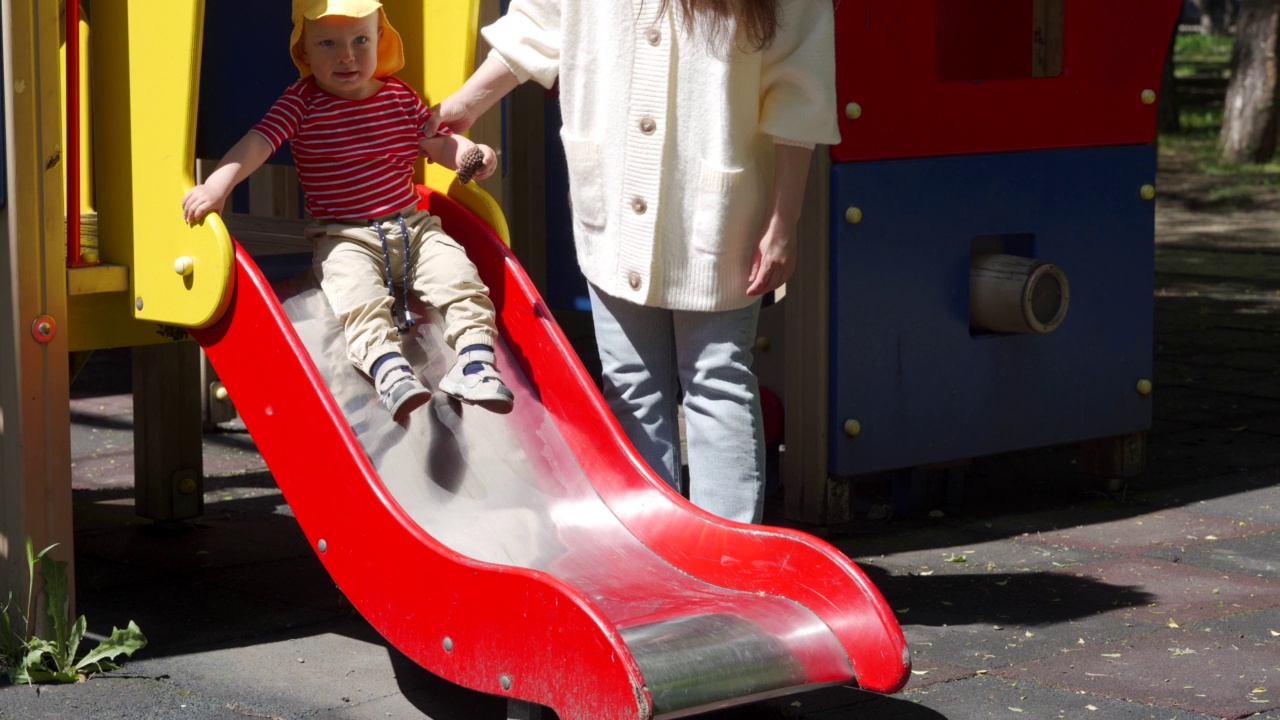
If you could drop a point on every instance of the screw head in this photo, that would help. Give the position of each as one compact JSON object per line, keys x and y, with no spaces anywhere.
{"x":1144,"y":387}
{"x":853,"y":215}
{"x":1148,"y":192}
{"x":853,"y":111}
{"x":1148,"y":97}
{"x":43,"y":328}
{"x":852,"y":428}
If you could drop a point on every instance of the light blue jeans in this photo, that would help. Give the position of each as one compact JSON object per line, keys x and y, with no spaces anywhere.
{"x":649,"y":355}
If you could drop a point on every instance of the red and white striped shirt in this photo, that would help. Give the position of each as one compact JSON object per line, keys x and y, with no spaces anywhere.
{"x":354,"y":157}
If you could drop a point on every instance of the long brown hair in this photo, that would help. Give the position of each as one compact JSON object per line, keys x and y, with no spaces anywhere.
{"x":750,"y":23}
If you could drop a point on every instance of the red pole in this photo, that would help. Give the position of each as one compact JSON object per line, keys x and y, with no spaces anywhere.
{"x":72,"y":154}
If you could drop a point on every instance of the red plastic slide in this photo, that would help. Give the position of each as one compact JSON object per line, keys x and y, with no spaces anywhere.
{"x":533,"y":555}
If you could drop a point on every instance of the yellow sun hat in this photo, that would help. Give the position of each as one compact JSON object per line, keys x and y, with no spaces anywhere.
{"x":390,"y":47}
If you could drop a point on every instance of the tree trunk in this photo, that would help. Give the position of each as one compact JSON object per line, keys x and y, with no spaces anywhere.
{"x":1252,"y":107}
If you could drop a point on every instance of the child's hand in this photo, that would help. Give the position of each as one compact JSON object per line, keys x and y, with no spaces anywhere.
{"x":200,"y":201}
{"x":475,"y":162}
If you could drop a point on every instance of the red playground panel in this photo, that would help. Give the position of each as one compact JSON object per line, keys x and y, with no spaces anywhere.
{"x":924,"y":78}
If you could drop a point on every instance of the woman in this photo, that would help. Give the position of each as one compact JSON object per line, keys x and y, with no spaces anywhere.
{"x":688,"y":130}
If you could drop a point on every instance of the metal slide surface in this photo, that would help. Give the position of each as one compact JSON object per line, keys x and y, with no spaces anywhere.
{"x":532,"y":555}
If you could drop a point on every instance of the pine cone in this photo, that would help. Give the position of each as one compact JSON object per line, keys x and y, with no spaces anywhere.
{"x":472,"y":160}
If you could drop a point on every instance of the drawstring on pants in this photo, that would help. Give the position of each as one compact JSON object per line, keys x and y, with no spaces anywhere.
{"x":386,"y":264}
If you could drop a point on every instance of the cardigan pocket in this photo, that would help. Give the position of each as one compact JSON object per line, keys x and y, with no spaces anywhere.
{"x":586,"y":186}
{"x":729,"y":210}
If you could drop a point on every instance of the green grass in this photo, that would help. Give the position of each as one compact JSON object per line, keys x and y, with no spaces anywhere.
{"x":1196,"y":48}
{"x":1204,"y":57}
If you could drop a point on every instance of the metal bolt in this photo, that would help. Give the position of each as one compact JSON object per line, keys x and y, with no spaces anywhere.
{"x":853,"y":111}
{"x":322,"y":545}
{"x":1148,"y":192}
{"x":505,"y":679}
{"x":1144,"y":387}
{"x":43,"y":328}
{"x":853,"y":215}
{"x":448,"y":644}
{"x":138,"y":303}
{"x":852,"y":428}
{"x":763,"y":344}
{"x":1148,"y":97}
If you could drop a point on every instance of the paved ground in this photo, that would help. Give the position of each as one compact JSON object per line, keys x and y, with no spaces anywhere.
{"x":1042,"y":594}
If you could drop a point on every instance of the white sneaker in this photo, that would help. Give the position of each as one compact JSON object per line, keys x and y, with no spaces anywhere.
{"x":399,"y":388}
{"x":483,"y":388}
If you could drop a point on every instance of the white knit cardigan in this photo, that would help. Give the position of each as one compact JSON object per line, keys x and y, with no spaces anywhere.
{"x":669,"y":142}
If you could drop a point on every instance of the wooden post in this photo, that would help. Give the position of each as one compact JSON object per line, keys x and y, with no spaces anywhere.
{"x":526,"y":188}
{"x":35,"y":415}
{"x":167,"y":424}
{"x":811,"y":494}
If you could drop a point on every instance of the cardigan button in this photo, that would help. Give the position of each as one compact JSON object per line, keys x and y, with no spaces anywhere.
{"x":639,"y":205}
{"x":647,"y":126}
{"x":633,"y":279}
{"x":654,"y":36}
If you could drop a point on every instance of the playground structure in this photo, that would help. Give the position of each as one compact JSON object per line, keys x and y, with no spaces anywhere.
{"x":592,"y":588}
{"x":978,"y":277}
{"x":1019,"y":130}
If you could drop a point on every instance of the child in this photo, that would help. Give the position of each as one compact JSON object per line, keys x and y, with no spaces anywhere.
{"x":355,"y":132}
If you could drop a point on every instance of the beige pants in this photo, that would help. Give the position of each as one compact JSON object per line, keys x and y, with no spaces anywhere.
{"x":348,"y":262}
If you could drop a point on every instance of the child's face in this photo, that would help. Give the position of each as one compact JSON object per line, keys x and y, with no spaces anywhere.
{"x":343,"y":54}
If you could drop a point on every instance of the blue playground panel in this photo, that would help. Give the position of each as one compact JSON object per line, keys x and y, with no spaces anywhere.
{"x":904,"y":362}
{"x":245,"y":66}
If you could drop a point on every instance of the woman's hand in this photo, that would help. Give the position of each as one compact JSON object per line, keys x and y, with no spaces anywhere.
{"x":774,"y":261}
{"x":451,"y":113}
